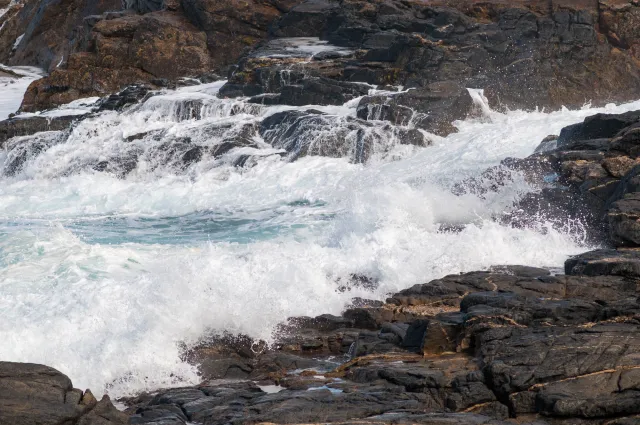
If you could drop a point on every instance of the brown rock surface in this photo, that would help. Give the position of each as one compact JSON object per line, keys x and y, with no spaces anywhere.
{"x":51,"y":30}
{"x":125,"y":50}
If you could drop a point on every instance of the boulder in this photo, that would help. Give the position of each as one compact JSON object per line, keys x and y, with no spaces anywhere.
{"x":621,"y":262}
{"x":33,"y":394}
{"x":624,"y":220}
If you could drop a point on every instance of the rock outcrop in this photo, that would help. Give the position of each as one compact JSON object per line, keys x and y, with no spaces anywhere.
{"x":523,"y":54}
{"x":45,"y":33}
{"x":95,"y":48}
{"x":587,"y":175}
{"x":32,"y":394}
{"x":124,"y":50}
{"x":481,"y":347}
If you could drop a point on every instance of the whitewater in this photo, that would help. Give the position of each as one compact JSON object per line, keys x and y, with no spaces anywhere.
{"x":109,"y":277}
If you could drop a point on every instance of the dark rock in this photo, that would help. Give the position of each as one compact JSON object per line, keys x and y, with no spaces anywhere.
{"x":24,"y":149}
{"x":18,"y":126}
{"x":32,"y":394}
{"x":129,"y":96}
{"x":303,"y":133}
{"x":622,"y":262}
{"x":315,"y":91}
{"x":233,"y":27}
{"x":599,"y":126}
{"x":123,"y":51}
{"x":307,"y":19}
{"x":624,"y":220}
{"x":550,"y":353}
{"x":433,"y":108}
{"x":49,"y":29}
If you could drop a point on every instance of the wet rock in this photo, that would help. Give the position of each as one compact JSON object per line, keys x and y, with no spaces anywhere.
{"x":514,"y":341}
{"x":303,"y":133}
{"x":619,"y":166}
{"x":232,"y":27}
{"x":599,"y":126}
{"x":556,"y":383}
{"x":433,"y":108}
{"x":21,"y":150}
{"x":307,"y":19}
{"x":19,"y":126}
{"x":159,"y":415}
{"x":145,"y":6}
{"x":315,"y":91}
{"x":49,"y":30}
{"x":118,"y":101}
{"x":33,"y":394}
{"x":624,"y":220}
{"x":621,"y":262}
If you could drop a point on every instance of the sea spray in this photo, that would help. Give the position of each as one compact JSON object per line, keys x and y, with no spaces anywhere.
{"x":107,"y":276}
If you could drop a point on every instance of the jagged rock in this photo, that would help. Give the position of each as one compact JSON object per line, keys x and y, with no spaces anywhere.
{"x":234,"y":26}
{"x":123,"y":51}
{"x":315,"y":91}
{"x":622,"y":262}
{"x":20,"y":150}
{"x":129,"y":96}
{"x":599,"y":126}
{"x":33,"y":394}
{"x":49,"y":30}
{"x":515,"y":341}
{"x":433,"y":108}
{"x":557,"y":382}
{"x":303,"y":133}
{"x":19,"y":126}
{"x":624,"y":220}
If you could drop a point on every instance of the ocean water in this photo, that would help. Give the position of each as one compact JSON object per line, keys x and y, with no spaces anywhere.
{"x":12,"y":89}
{"x":108,"y":278}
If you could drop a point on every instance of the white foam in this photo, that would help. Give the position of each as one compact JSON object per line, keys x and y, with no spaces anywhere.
{"x":17,"y":42}
{"x":12,"y":89}
{"x":305,"y":47}
{"x":116,"y":316}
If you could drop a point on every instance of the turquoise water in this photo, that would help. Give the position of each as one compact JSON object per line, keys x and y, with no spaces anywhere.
{"x":193,"y":228}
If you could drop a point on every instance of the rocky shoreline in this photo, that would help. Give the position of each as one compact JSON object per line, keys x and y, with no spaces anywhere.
{"x":510,"y":345}
{"x":514,"y":344}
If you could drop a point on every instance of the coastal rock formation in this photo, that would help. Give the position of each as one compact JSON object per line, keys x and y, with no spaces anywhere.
{"x":98,"y":49}
{"x":524,"y":55}
{"x":512,"y":344}
{"x":588,"y":174}
{"x":45,"y":33}
{"x":39,"y":395}
{"x":483,"y":347}
{"x":122,"y":51}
